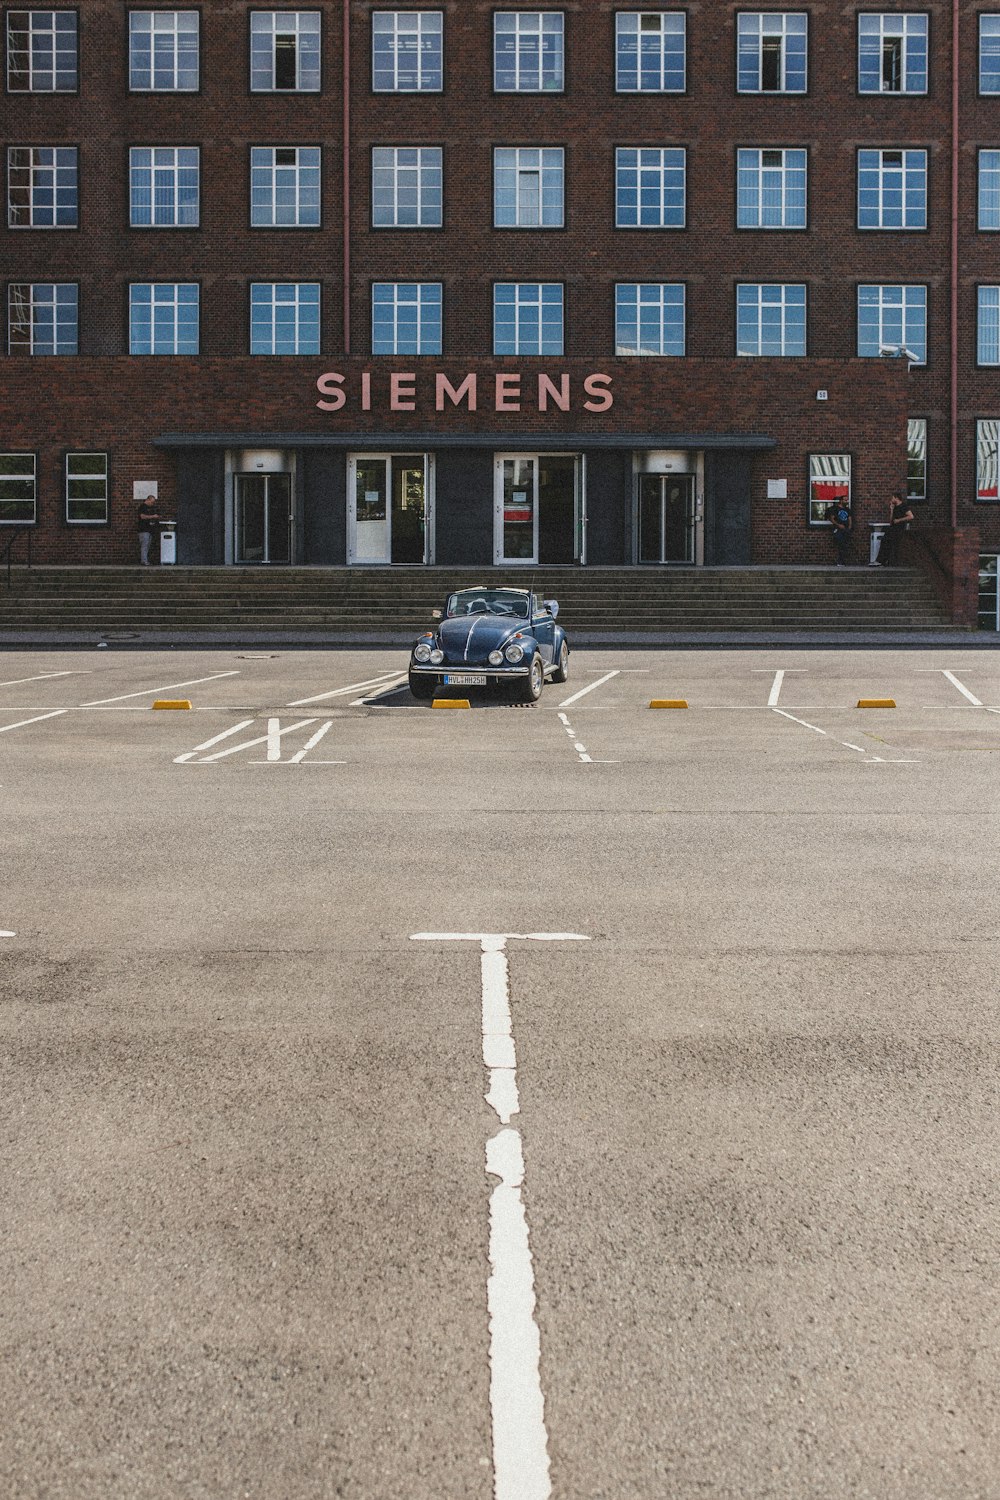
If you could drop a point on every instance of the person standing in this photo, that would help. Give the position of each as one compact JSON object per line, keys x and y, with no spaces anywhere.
{"x":900,"y":516}
{"x":839,"y":516}
{"x":149,"y":521}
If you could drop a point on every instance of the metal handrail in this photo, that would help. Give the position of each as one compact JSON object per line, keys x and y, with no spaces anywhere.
{"x":27,"y":530}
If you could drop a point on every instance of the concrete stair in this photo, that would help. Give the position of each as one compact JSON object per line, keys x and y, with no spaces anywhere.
{"x":380,"y":600}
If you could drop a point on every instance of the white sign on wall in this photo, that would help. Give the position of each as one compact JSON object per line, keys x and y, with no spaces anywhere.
{"x":777,"y":489}
{"x":145,"y":489}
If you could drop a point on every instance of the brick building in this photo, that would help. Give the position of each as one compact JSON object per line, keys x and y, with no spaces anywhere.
{"x":461,"y":282}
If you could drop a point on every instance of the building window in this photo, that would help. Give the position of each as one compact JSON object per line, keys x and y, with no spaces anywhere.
{"x":650,"y":51}
{"x":986,"y":459}
{"x":771,"y":319}
{"x":989,"y":190}
{"x":41,"y":51}
{"x":988,"y":326}
{"x":163,"y":51}
{"x":892,"y":53}
{"x":528,"y":317}
{"x":916,"y":458}
{"x":892,"y":189}
{"x":42,"y":317}
{"x":163,"y":187}
{"x":406,"y":317}
{"x":989,"y":54}
{"x":42,"y":187}
{"x":770,"y":189}
{"x":284,"y":187}
{"x":284,"y":51}
{"x":649,"y":318}
{"x":650,"y":187}
{"x":86,"y":488}
{"x":893,"y":320}
{"x":528,"y":51}
{"x":829,"y":481}
{"x":17,"y":488}
{"x":407,"y":187}
{"x":284,"y":317}
{"x":407,"y":51}
{"x":989,"y":593}
{"x":528,"y":187}
{"x":771,"y":52}
{"x":163,"y":317}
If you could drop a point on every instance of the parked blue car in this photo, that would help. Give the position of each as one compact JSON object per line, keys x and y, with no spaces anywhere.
{"x":488,"y":637}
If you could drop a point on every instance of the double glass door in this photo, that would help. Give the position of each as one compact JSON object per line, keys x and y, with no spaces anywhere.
{"x":539,"y":509}
{"x":388,"y":508}
{"x":667,"y":518}
{"x":263,"y":518}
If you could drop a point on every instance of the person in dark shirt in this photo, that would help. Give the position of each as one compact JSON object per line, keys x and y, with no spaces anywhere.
{"x":149,"y":520}
{"x":839,"y":516}
{"x":900,"y":515}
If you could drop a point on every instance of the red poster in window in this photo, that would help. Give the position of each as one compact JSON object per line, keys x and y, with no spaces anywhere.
{"x":830,"y":489}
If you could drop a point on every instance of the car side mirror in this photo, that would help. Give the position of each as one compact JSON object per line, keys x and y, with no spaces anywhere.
{"x":435,"y":614}
{"x":552,"y":605}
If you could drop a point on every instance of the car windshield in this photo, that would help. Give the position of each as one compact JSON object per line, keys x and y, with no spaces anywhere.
{"x":488,"y":602}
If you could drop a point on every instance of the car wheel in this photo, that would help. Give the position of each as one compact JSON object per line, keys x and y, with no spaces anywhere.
{"x":531,"y":687}
{"x":422,"y":687}
{"x":561,"y":673}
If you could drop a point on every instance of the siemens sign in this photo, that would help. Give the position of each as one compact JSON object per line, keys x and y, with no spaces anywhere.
{"x":508,"y":392}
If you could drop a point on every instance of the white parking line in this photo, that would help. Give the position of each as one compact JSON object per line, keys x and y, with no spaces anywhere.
{"x":45,"y":677}
{"x":179,"y":760}
{"x":264,"y":739}
{"x":581,"y":750}
{"x":8,"y":934}
{"x":300,"y":755}
{"x":36,"y":720}
{"x":520,"y":1439}
{"x":388,"y":687}
{"x":870,"y":758}
{"x":963,"y":690}
{"x":341,"y":692}
{"x":590,"y":688}
{"x":151,"y":692}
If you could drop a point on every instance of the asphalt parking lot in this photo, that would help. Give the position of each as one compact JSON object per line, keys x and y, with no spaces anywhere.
{"x":726,"y":974}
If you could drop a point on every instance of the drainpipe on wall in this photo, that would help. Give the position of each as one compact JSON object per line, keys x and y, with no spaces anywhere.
{"x":347,"y":175}
{"x":955,"y":76}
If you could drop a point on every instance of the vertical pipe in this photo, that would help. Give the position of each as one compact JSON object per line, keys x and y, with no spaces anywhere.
{"x":347,"y":174}
{"x":955,"y":80}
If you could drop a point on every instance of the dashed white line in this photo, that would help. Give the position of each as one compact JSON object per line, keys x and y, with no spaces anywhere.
{"x":589,"y":688}
{"x":870,"y":757}
{"x":151,"y":692}
{"x":36,"y":720}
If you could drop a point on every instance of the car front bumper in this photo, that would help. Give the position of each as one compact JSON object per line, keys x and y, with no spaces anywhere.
{"x":494,"y":674}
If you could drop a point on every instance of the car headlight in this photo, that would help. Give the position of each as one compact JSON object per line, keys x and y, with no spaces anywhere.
{"x":437,"y":656}
{"x":514,"y":652}
{"x":422,"y":652}
{"x":495,"y":658}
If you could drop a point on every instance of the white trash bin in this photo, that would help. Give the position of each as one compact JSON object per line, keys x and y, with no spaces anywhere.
{"x":168,"y":543}
{"x":878,"y":530}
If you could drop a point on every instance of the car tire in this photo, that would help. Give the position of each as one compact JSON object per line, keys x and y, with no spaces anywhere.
{"x":561,"y":673}
{"x":422,"y":687}
{"x":531,"y":686}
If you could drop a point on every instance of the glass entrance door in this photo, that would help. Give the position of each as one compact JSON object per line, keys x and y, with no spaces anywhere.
{"x":666,"y":518}
{"x":263,"y":518}
{"x":539,"y":509}
{"x":389,"y":508}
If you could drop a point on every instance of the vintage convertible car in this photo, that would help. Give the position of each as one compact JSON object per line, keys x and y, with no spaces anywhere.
{"x":487,"y":637}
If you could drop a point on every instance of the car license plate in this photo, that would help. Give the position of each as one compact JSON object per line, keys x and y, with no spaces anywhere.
{"x":464,"y":679}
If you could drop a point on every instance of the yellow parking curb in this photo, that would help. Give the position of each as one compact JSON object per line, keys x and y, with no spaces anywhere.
{"x":172,"y":703}
{"x":668,"y":703}
{"x":876,"y":703}
{"x":451,"y":703}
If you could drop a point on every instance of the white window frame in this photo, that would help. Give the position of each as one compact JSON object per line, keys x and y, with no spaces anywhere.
{"x":28,"y":309}
{"x":407,"y":179}
{"x":634,"y":23}
{"x":529,"y":78}
{"x":753,"y":26}
{"x":891,"y":180}
{"x":772,"y":294}
{"x":989,"y":568}
{"x":27,"y":473}
{"x":893,"y":305}
{"x":987,"y":437}
{"x":909,"y":28}
{"x":916,"y":453}
{"x":658,"y":168}
{"x":533,"y":180}
{"x":36,"y":170}
{"x":829,"y":469}
{"x":163,"y":171}
{"x":766,"y":175}
{"x":427,"y":297}
{"x":987,"y":325}
{"x":264,"y":179}
{"x":173,"y":305}
{"x":422,"y":31}
{"x":989,"y":28}
{"x":660,"y":298}
{"x":307,"y":316}
{"x":265,"y":28}
{"x":164,"y":25}
{"x":70,"y":498}
{"x":41,"y":23}
{"x":529,"y":304}
{"x":988,"y":186}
